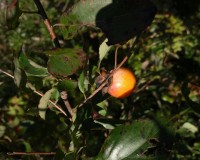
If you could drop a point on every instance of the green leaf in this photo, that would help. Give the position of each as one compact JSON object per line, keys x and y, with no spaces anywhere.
{"x":70,"y":27}
{"x":65,"y":62}
{"x":27,"y":146}
{"x":20,"y":76}
{"x":13,"y":123}
{"x":190,"y":127}
{"x":43,"y":104}
{"x":118,"y":20}
{"x":82,"y":14}
{"x":83,"y":83}
{"x":128,"y":141}
{"x":109,"y":123}
{"x":31,"y":68}
{"x":193,"y":105}
{"x":103,"y":50}
{"x":16,"y":111}
{"x":70,"y":156}
{"x":105,"y":125}
{"x":121,"y":21}
{"x":67,"y":85}
{"x":17,"y":72}
{"x":2,"y":130}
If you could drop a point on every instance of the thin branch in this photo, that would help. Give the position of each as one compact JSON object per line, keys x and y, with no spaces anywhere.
{"x":43,"y":14}
{"x":176,"y":116}
{"x":129,"y":53}
{"x":52,"y":102}
{"x":37,"y":92}
{"x":94,"y":93}
{"x":31,"y":153}
{"x":195,"y":85}
{"x":64,"y":97}
{"x":6,"y":73}
{"x":144,"y":86}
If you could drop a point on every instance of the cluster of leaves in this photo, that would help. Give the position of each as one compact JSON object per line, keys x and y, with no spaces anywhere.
{"x":158,"y":121}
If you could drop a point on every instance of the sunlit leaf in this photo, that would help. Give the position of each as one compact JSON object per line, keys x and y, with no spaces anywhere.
{"x":109,"y":123}
{"x":17,"y":110}
{"x":192,"y":128}
{"x":43,"y":104}
{"x":103,"y":50}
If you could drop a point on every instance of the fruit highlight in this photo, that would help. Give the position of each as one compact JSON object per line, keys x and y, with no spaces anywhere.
{"x":122,"y":83}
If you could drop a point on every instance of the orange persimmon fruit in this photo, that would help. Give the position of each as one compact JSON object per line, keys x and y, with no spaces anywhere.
{"x":122,"y":83}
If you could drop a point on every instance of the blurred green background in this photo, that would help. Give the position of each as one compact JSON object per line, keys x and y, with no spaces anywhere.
{"x":166,"y":64}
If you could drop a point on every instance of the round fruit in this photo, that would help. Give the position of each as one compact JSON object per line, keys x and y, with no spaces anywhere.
{"x":122,"y":83}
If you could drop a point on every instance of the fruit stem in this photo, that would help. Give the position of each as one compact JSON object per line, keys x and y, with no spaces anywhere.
{"x":104,"y":82}
{"x":116,"y":51}
{"x":129,"y":52}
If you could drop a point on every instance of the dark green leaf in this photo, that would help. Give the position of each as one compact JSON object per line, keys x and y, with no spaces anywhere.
{"x":67,"y":85}
{"x":31,"y":68}
{"x":65,"y":62}
{"x":2,"y":130}
{"x":120,"y":20}
{"x":70,"y":27}
{"x":128,"y":141}
{"x":82,"y":14}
